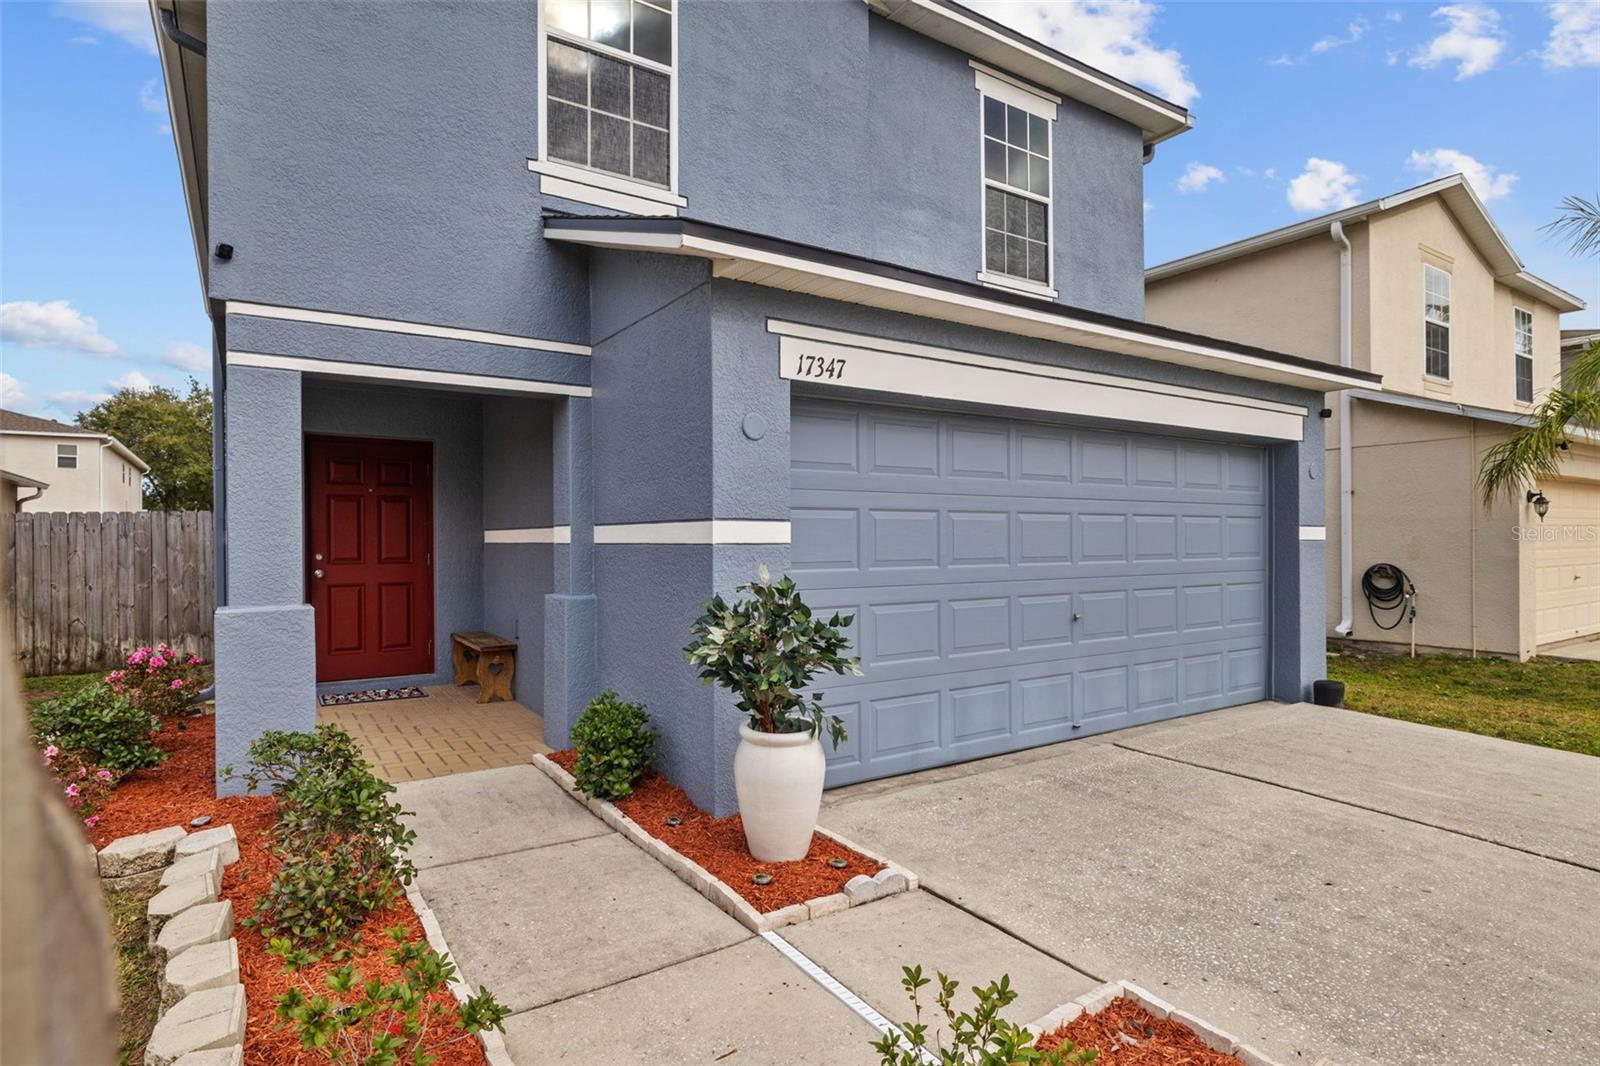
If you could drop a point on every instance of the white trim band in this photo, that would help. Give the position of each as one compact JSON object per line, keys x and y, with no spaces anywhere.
{"x":531,"y":535}
{"x":824,"y":357}
{"x":1313,"y":532}
{"x":703,"y":531}
{"x":993,"y":83}
{"x":391,"y":325}
{"x":404,"y":375}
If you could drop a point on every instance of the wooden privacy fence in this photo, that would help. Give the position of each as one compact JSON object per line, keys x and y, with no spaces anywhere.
{"x":83,"y":589}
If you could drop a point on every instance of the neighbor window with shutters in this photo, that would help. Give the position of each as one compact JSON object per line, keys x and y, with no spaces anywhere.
{"x":1016,"y":134}
{"x":1435,"y":321}
{"x":1524,"y":353}
{"x":608,"y":87}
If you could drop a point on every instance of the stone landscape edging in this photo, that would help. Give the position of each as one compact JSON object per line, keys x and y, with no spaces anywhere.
{"x":1097,"y":999}
{"x":892,"y":880}
{"x":493,"y":1042}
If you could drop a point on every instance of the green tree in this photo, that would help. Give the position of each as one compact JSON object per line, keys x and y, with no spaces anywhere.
{"x":169,"y":431}
{"x":1534,"y":451}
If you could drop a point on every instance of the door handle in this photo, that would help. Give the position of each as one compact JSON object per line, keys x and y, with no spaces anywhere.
{"x":1075,"y":615}
{"x":316,"y":573}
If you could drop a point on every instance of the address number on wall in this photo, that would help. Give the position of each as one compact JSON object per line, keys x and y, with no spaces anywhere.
{"x":816,"y":366}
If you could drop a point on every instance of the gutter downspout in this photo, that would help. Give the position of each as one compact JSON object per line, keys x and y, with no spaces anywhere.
{"x":29,"y":499}
{"x":1346,"y":551}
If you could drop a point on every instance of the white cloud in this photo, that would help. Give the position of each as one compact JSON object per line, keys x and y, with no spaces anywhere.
{"x":1271,"y":173}
{"x":1196,"y":176}
{"x":152,"y":98}
{"x":1149,"y":207}
{"x":1282,"y":61}
{"x":1486,"y":181}
{"x":1113,"y":35}
{"x":131,"y":380}
{"x":187,"y":356}
{"x":1392,"y":16}
{"x":1473,"y":40}
{"x":128,"y":19}
{"x":1323,"y":186}
{"x":53,"y":325}
{"x":1574,"y":35}
{"x":77,"y":399}
{"x":1353,"y":33}
{"x":14,"y":394}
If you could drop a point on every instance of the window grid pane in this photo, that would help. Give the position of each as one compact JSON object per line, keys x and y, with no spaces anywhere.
{"x":1523,"y":355}
{"x":1436,"y":321}
{"x":603,"y":112}
{"x":1016,"y":155}
{"x":1016,"y":236}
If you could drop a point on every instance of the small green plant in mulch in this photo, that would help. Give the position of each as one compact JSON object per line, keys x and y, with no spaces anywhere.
{"x":100,"y":726}
{"x":138,"y":974}
{"x":1548,"y":702}
{"x":978,"y":1037}
{"x":339,"y":839}
{"x":374,"y":1023}
{"x":615,"y":746}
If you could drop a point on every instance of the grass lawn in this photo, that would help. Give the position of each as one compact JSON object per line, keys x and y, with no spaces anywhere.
{"x":138,"y":975}
{"x":38,"y":689}
{"x":1542,"y":701}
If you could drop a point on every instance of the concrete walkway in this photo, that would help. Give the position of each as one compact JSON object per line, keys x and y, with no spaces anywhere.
{"x":605,"y":956}
{"x":1324,"y":884}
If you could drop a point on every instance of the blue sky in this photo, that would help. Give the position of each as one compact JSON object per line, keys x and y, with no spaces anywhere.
{"x":1299,"y":108}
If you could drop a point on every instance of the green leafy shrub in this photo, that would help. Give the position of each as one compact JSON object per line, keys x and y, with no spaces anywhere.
{"x":378,"y":1024}
{"x":980,"y":1037}
{"x":615,"y":746}
{"x":766,"y":649}
{"x":339,"y":839}
{"x":99,"y":725}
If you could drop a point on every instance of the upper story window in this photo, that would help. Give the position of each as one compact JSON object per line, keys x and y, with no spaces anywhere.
{"x":608,"y":73}
{"x":1523,"y":349}
{"x":67,"y":456}
{"x":1435,"y":321}
{"x":1017,"y":128}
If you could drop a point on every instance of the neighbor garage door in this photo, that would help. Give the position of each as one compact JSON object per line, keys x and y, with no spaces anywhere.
{"x":1016,"y":583}
{"x":1567,"y":566}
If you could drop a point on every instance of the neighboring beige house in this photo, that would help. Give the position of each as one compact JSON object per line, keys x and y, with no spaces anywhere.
{"x":75,"y":469}
{"x":1422,"y":288}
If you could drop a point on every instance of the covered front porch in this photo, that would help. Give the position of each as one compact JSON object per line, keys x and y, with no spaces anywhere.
{"x":445,"y":731}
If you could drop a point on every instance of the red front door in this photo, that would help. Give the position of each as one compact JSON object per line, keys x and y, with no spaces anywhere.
{"x":371,"y":566}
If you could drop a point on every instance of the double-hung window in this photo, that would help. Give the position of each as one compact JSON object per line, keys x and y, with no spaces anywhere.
{"x":1435,"y":321}
{"x":1523,"y":351}
{"x":1017,"y":206}
{"x":608,"y":71}
{"x":66,"y":456}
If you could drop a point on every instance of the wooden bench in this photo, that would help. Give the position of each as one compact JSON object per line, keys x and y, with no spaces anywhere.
{"x":486,"y":660}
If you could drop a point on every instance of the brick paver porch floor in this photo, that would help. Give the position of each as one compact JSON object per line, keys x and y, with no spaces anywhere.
{"x":445,"y":732}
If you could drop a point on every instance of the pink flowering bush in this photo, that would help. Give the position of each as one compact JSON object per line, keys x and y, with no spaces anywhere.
{"x":85,"y":786}
{"x":158,"y":680}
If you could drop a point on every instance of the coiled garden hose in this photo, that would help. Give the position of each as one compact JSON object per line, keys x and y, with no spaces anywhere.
{"x":1387,"y":588}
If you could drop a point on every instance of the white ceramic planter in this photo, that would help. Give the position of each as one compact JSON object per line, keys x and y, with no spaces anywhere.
{"x":778,"y":778}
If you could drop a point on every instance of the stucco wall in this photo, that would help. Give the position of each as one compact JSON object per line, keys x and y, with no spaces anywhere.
{"x":1416,"y":506}
{"x":1284,"y":299}
{"x":517,"y":468}
{"x":102,"y":481}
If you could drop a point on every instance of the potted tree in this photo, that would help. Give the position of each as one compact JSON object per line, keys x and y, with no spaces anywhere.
{"x":765,"y":650}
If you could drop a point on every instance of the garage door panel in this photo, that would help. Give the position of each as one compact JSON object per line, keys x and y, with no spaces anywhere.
{"x":1567,"y":563}
{"x":1017,"y":583}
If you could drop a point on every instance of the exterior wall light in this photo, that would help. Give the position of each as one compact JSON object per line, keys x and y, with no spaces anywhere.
{"x":1541,"y":503}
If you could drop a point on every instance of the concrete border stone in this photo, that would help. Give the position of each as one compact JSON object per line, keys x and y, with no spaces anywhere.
{"x":891,"y":880}
{"x":177,"y":898}
{"x":222,"y":1056}
{"x":222,"y":838}
{"x":209,"y":861}
{"x":493,"y":1041}
{"x":1097,"y":999}
{"x":207,"y":1020}
{"x":214,"y":965}
{"x":204,"y":924}
{"x":140,"y":852}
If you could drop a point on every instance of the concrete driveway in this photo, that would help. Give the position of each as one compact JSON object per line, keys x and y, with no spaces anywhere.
{"x":1325,"y":884}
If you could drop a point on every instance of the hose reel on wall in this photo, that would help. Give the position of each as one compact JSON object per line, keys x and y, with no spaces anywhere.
{"x":1387,"y":588}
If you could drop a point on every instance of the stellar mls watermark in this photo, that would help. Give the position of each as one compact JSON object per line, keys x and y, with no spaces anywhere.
{"x":1557,"y":534}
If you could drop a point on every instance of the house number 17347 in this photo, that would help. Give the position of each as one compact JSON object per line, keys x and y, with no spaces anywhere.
{"x":815,"y":366}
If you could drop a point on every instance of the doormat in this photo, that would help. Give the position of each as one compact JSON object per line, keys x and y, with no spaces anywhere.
{"x":371,"y":695}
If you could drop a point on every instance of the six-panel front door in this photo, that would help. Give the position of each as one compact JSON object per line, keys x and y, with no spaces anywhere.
{"x":370,"y":574}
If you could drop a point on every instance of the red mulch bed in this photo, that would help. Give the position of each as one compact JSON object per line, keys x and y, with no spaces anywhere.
{"x":718,"y":845}
{"x":1156,"y":1041}
{"x":180,"y":789}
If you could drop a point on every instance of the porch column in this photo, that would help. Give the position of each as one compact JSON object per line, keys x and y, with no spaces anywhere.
{"x":570,"y":666}
{"x":265,"y":638}
{"x":1299,"y":558}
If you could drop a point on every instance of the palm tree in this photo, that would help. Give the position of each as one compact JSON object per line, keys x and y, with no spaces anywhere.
{"x":1534,"y":450}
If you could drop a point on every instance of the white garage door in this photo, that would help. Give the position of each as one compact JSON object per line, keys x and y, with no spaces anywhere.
{"x":1017,"y":583}
{"x":1567,"y":592}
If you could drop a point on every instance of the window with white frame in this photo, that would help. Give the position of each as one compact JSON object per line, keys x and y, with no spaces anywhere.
{"x":1523,"y":352}
{"x":1435,"y":321}
{"x":1017,"y":129}
{"x":67,"y":456}
{"x":608,"y":86}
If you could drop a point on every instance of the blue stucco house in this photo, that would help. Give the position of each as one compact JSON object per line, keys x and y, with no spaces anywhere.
{"x":553,"y":319}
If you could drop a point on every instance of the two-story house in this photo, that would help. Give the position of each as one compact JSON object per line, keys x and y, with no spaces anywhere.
{"x":47,"y":465}
{"x":1422,"y":288}
{"x":554,"y":319}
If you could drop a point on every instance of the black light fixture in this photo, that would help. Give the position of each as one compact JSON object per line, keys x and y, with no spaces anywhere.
{"x":1541,"y":503}
{"x":224,"y":252}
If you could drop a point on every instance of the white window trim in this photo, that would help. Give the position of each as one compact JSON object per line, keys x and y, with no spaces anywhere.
{"x":990,"y":82}
{"x":1516,"y":354}
{"x":599,"y":188}
{"x":67,"y":451}
{"x":1450,"y":348}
